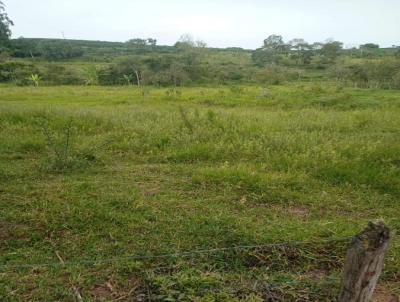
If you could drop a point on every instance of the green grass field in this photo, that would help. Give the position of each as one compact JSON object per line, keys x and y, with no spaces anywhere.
{"x":104,"y":172}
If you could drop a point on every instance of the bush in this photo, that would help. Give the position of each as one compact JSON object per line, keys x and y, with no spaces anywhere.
{"x":59,"y":75}
{"x":384,"y":74}
{"x":119,"y":72}
{"x":16,"y":72}
{"x":396,"y":80}
{"x":274,"y":74}
{"x":157,"y":71}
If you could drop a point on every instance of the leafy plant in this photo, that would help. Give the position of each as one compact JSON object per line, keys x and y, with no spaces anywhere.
{"x":128,"y":79}
{"x":35,"y":79}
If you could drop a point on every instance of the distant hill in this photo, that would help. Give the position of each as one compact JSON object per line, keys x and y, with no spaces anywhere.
{"x":68,"y":48}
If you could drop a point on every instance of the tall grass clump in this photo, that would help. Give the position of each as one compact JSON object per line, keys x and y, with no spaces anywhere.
{"x":186,"y":121}
{"x":63,"y":153}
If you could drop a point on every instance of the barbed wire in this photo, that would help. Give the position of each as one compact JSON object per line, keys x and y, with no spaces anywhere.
{"x":185,"y":254}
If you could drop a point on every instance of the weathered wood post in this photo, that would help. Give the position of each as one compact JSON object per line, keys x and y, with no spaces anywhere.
{"x":364,"y":263}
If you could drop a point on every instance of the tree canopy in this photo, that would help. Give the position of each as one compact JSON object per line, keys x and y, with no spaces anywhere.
{"x":275,"y":43}
{"x":5,"y":24}
{"x":370,"y":46}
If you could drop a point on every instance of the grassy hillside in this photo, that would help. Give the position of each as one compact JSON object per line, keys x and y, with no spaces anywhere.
{"x":104,"y":172}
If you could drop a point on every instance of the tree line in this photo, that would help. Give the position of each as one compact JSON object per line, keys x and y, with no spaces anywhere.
{"x":141,"y":61}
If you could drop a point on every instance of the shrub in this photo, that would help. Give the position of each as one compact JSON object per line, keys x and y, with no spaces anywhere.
{"x":382,"y":74}
{"x":59,"y":75}
{"x":63,"y":154}
{"x":274,"y":74}
{"x":17,"y":72}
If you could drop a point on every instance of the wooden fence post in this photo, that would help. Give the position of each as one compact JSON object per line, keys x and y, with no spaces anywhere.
{"x":364,"y":263}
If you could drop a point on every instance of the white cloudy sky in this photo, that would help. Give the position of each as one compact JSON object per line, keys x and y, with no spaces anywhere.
{"x":221,"y":23}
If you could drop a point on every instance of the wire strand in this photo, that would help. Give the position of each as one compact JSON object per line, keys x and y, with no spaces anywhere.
{"x":184,"y":254}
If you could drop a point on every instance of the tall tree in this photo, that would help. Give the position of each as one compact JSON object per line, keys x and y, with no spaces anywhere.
{"x":137,"y":43}
{"x":151,"y":41}
{"x":302,"y":50}
{"x":369,"y":46}
{"x":273,"y":50}
{"x":331,"y":50}
{"x":297,"y":43}
{"x":368,"y":49}
{"x":5,"y":24}
{"x":185,"y":42}
{"x":274,"y":43}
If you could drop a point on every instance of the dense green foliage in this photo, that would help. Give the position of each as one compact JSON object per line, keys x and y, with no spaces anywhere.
{"x":142,"y":61}
{"x":370,"y":74}
{"x":53,"y":49}
{"x":103,"y":172}
{"x":5,"y":31}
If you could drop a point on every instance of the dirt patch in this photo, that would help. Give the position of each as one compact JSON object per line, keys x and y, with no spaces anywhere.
{"x":149,"y":189}
{"x":318,"y":273}
{"x":10,"y":231}
{"x":302,"y":211}
{"x":295,"y":210}
{"x":133,"y":284}
{"x":4,"y":235}
{"x":100,"y":291}
{"x":382,"y":294}
{"x":130,"y":290}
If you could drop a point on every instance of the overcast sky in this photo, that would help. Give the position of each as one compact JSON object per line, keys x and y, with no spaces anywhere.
{"x":220,"y":23}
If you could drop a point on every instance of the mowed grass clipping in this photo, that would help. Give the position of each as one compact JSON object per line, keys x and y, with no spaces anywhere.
{"x":98,"y":173}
